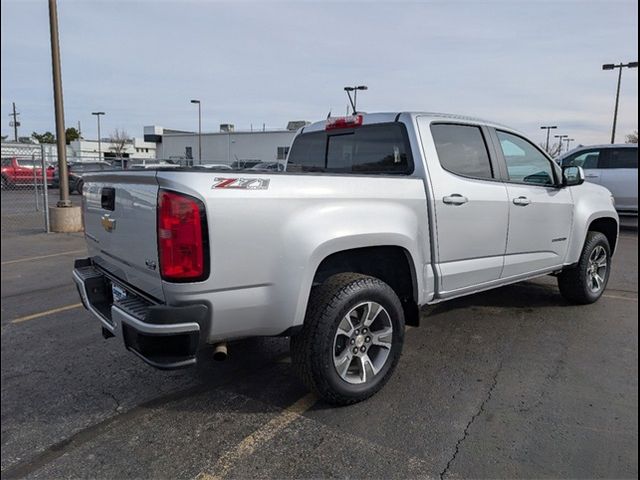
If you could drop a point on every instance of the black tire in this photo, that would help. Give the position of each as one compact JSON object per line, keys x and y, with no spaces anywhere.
{"x":574,"y":282}
{"x":79,"y":185}
{"x":6,"y":184}
{"x":313,"y":349}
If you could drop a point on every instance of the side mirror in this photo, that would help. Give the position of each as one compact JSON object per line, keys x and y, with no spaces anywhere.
{"x":572,"y":175}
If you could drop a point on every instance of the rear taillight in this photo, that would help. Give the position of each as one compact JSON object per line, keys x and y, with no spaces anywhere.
{"x":335,"y":123}
{"x":182,"y":238}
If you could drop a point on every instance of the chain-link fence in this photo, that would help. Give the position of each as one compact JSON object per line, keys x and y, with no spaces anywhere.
{"x":26,"y":183}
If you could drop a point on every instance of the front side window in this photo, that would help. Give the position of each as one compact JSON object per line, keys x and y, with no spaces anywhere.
{"x":369,"y":149}
{"x":621,"y":158}
{"x":462,"y":150}
{"x":525,"y":163}
{"x":588,"y":160}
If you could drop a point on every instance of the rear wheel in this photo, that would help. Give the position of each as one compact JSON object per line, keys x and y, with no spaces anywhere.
{"x":5,"y":184}
{"x":586,"y":282}
{"x":79,"y":186}
{"x":351,"y":340}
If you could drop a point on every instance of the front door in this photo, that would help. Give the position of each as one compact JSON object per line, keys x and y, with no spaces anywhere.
{"x":540,"y":212}
{"x":470,"y":203}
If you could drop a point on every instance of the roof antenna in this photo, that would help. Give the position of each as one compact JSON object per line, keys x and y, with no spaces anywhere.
{"x":329,"y":114}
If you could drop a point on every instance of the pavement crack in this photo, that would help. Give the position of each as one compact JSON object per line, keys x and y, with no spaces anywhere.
{"x":465,"y":432}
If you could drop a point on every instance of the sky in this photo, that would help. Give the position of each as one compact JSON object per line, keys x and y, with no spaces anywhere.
{"x":520,"y":63}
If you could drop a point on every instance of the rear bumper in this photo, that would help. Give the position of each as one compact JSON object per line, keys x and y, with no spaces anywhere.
{"x":165,"y":337}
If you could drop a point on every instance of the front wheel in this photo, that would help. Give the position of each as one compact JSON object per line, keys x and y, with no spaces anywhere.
{"x":585,"y":283}
{"x":351,"y":340}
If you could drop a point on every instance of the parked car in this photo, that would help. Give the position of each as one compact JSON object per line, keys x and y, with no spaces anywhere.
{"x":244,"y":164}
{"x":612,"y":166}
{"x":268,"y":167}
{"x":17,"y":172}
{"x":76,"y":172}
{"x":150,"y":166}
{"x":214,"y":166}
{"x":375,"y":216}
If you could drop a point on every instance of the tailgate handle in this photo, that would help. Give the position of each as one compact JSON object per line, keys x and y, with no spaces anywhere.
{"x":108,"y":199}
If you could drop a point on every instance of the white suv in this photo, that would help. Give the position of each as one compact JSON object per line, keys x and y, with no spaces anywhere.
{"x":614,"y":167}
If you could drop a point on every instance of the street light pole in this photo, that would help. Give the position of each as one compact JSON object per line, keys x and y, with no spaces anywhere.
{"x":548,"y":128}
{"x":569,"y":140}
{"x":355,"y":89}
{"x":620,"y":66}
{"x":59,"y":107}
{"x":98,"y":114}
{"x":199,"y":130}
{"x":560,"y":139}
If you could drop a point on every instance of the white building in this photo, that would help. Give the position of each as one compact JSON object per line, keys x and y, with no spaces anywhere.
{"x":84,"y":150}
{"x":226,"y":146}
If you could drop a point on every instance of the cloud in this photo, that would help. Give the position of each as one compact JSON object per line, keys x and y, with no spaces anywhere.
{"x":523,"y":63}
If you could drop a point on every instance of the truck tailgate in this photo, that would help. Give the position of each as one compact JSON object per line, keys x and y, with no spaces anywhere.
{"x":120,"y":227}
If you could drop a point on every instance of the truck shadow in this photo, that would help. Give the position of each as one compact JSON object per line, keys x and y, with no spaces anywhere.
{"x":526,"y":296}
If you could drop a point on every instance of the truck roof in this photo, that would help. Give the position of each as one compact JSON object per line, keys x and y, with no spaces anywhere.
{"x":383,"y":117}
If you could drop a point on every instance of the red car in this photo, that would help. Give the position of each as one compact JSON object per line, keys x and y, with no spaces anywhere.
{"x":22,"y":172}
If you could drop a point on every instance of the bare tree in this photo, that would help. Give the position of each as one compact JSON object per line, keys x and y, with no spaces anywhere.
{"x":554,"y":149}
{"x":632,"y":137}
{"x":119,"y":140}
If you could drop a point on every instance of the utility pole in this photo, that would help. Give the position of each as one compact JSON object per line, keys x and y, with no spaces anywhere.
{"x":548,"y":128}
{"x":620,"y":66}
{"x":14,"y":123}
{"x":59,"y":106}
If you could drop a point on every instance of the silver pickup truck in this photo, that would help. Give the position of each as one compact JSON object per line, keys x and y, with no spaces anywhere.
{"x":375,"y":216}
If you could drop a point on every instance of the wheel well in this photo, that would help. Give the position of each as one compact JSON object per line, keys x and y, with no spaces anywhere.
{"x":391,"y":264}
{"x":608,"y":227}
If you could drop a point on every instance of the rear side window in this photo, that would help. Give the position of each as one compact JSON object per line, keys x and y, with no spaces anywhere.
{"x":462,"y":150}
{"x":369,"y":149}
{"x":621,"y":158}
{"x":589,"y":160}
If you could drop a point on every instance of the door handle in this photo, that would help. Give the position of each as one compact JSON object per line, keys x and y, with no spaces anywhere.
{"x":591,"y":176}
{"x":521,"y":201}
{"x":455,"y":199}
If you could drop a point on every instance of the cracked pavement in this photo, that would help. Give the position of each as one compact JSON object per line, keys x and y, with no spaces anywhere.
{"x":508,"y":383}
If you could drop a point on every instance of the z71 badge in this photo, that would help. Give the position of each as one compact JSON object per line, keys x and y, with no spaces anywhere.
{"x":241,"y":183}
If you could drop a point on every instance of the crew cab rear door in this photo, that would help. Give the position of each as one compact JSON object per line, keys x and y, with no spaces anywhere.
{"x":470,"y":202}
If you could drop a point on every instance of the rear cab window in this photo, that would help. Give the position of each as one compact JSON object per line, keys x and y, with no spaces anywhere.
{"x":462,"y":150}
{"x":368,"y":149}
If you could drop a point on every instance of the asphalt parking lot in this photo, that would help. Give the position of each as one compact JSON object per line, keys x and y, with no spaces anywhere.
{"x":509,"y":383}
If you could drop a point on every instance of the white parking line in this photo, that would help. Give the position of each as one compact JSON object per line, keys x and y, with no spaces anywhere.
{"x":261,"y":436}
{"x":9,"y":262}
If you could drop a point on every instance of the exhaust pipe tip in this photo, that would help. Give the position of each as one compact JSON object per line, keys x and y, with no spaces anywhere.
{"x":220,"y":353}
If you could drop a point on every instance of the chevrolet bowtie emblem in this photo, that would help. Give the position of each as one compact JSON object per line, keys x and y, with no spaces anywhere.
{"x":108,"y":223}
